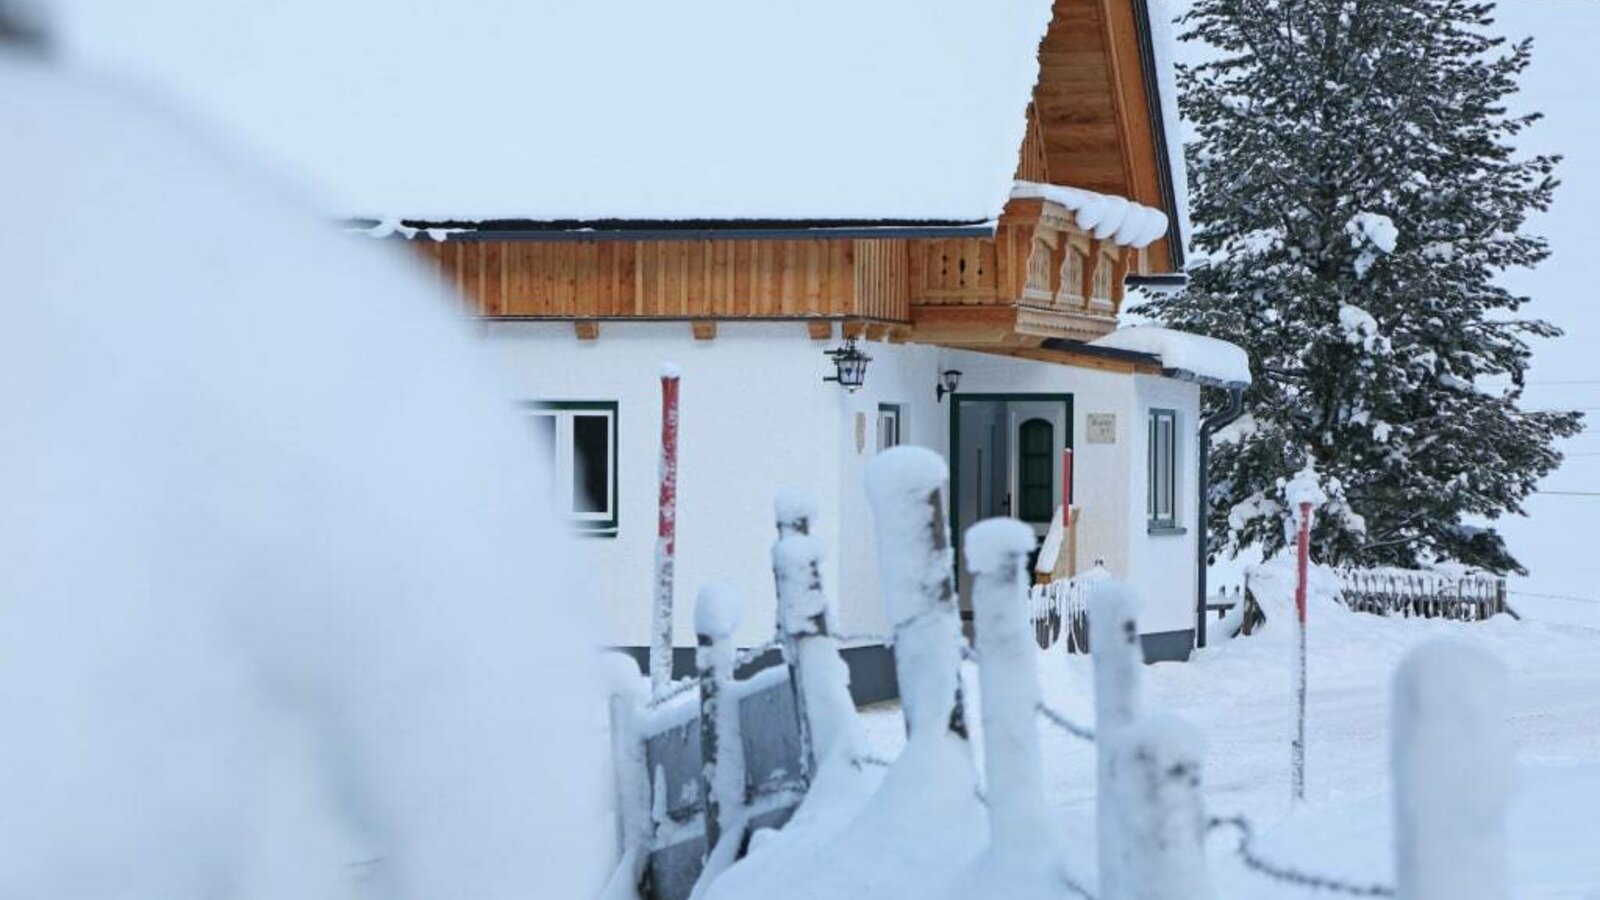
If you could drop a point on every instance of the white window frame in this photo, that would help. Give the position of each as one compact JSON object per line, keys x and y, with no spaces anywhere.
{"x":1162,"y":478}
{"x":603,"y":522}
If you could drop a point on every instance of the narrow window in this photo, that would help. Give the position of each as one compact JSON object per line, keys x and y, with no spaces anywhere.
{"x":889,"y":424}
{"x":1163,"y":466}
{"x":578,"y":439}
{"x":1036,"y":443}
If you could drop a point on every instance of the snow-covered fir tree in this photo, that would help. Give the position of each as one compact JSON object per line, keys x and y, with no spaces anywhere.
{"x":1356,"y":191}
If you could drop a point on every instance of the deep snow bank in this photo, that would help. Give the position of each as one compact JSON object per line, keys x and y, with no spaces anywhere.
{"x":277,"y":613}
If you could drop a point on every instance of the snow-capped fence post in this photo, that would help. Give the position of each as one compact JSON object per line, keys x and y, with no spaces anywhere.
{"x":1117,"y":656}
{"x":820,"y":678}
{"x":717,"y":611}
{"x":905,"y":486}
{"x":1451,"y":758}
{"x":666,"y":538}
{"x":997,"y":556}
{"x":1158,"y":788}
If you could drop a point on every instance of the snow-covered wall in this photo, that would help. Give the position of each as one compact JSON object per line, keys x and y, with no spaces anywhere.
{"x":756,"y":416}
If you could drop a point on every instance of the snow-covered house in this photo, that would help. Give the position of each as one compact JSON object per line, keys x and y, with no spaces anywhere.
{"x":963,"y":192}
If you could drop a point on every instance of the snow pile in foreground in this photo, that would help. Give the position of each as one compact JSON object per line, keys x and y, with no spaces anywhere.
{"x":1201,"y":357}
{"x":276,"y":613}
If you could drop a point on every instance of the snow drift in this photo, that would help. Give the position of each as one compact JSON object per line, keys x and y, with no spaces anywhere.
{"x":276,"y":609}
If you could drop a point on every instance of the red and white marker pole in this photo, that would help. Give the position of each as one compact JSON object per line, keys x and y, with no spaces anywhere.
{"x":1303,"y":554}
{"x":666,"y":538}
{"x":1066,"y":488}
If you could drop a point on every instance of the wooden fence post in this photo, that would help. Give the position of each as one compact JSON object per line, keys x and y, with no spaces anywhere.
{"x":821,"y":679}
{"x":904,"y":487}
{"x":997,"y":556}
{"x":1451,"y":758}
{"x":717,"y":611}
{"x":1117,"y":657}
{"x":1158,"y":787}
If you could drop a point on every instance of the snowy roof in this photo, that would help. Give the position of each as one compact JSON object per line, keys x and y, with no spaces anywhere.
{"x":827,"y":110}
{"x":1191,"y":357}
{"x":1118,"y":218}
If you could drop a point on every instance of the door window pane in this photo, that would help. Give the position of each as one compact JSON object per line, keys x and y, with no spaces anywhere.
{"x":1036,"y":442}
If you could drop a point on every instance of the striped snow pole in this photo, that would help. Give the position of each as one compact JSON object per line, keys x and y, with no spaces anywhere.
{"x":666,"y":538}
{"x":1297,"y":752}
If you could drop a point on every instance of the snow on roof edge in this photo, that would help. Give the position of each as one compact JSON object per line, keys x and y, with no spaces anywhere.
{"x":1191,"y":357}
{"x":1105,"y":215}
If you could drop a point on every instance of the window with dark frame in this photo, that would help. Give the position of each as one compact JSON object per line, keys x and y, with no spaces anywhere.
{"x":889,"y":425}
{"x":1163,"y":470}
{"x":579,"y":438}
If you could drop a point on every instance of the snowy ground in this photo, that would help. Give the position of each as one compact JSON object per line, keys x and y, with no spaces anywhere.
{"x":1238,"y":694}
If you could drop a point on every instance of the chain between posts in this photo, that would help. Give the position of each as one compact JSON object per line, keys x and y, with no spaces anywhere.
{"x":1288,"y":875}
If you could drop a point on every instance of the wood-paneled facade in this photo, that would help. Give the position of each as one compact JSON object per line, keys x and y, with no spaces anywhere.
{"x":1039,"y":276}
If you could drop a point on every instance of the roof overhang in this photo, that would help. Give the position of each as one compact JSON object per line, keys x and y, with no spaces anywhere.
{"x":673,"y":230}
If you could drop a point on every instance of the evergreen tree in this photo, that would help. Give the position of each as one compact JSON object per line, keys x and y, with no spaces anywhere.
{"x":1355,"y":194}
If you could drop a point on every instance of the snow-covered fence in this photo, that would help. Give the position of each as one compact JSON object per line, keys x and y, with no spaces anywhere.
{"x":717,"y":758}
{"x":1433,"y":595}
{"x":1060,"y":610}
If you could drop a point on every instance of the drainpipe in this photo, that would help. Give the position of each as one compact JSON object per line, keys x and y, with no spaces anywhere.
{"x":1211,"y":425}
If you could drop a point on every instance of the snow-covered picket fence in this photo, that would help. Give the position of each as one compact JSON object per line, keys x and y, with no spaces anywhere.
{"x":1059,"y":610}
{"x":1469,"y":596}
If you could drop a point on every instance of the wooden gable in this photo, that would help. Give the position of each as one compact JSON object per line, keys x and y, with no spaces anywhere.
{"x":1092,"y":109}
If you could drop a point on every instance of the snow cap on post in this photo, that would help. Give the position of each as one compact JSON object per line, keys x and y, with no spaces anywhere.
{"x":1305,"y":487}
{"x":900,"y":483}
{"x":795,"y":510}
{"x":717,"y":611}
{"x":671,"y":370}
{"x":993,"y":545}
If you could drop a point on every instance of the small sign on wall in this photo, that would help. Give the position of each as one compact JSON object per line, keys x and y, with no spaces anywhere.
{"x":1102,"y":428}
{"x":861,"y":432}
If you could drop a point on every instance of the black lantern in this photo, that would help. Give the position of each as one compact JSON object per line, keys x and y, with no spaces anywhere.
{"x":949,"y":380}
{"x":850,"y":366}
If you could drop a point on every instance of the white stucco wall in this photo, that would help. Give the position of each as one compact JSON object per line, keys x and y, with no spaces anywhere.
{"x":756,"y":415}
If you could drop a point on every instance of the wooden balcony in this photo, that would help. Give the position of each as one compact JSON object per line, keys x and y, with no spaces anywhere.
{"x":1041,"y":276}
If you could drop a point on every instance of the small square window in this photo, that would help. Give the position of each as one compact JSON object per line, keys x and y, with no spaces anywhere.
{"x":1162,"y":504}
{"x":890,"y":422}
{"x":579,"y":441}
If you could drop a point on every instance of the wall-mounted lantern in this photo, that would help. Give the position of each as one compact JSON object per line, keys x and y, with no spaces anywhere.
{"x":949,"y":380}
{"x":850,"y":366}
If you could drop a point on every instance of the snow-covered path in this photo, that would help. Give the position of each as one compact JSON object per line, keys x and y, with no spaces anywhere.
{"x":1238,"y":694}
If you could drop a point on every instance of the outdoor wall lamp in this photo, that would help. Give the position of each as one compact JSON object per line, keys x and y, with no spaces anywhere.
{"x":949,"y":380}
{"x":850,"y":366}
